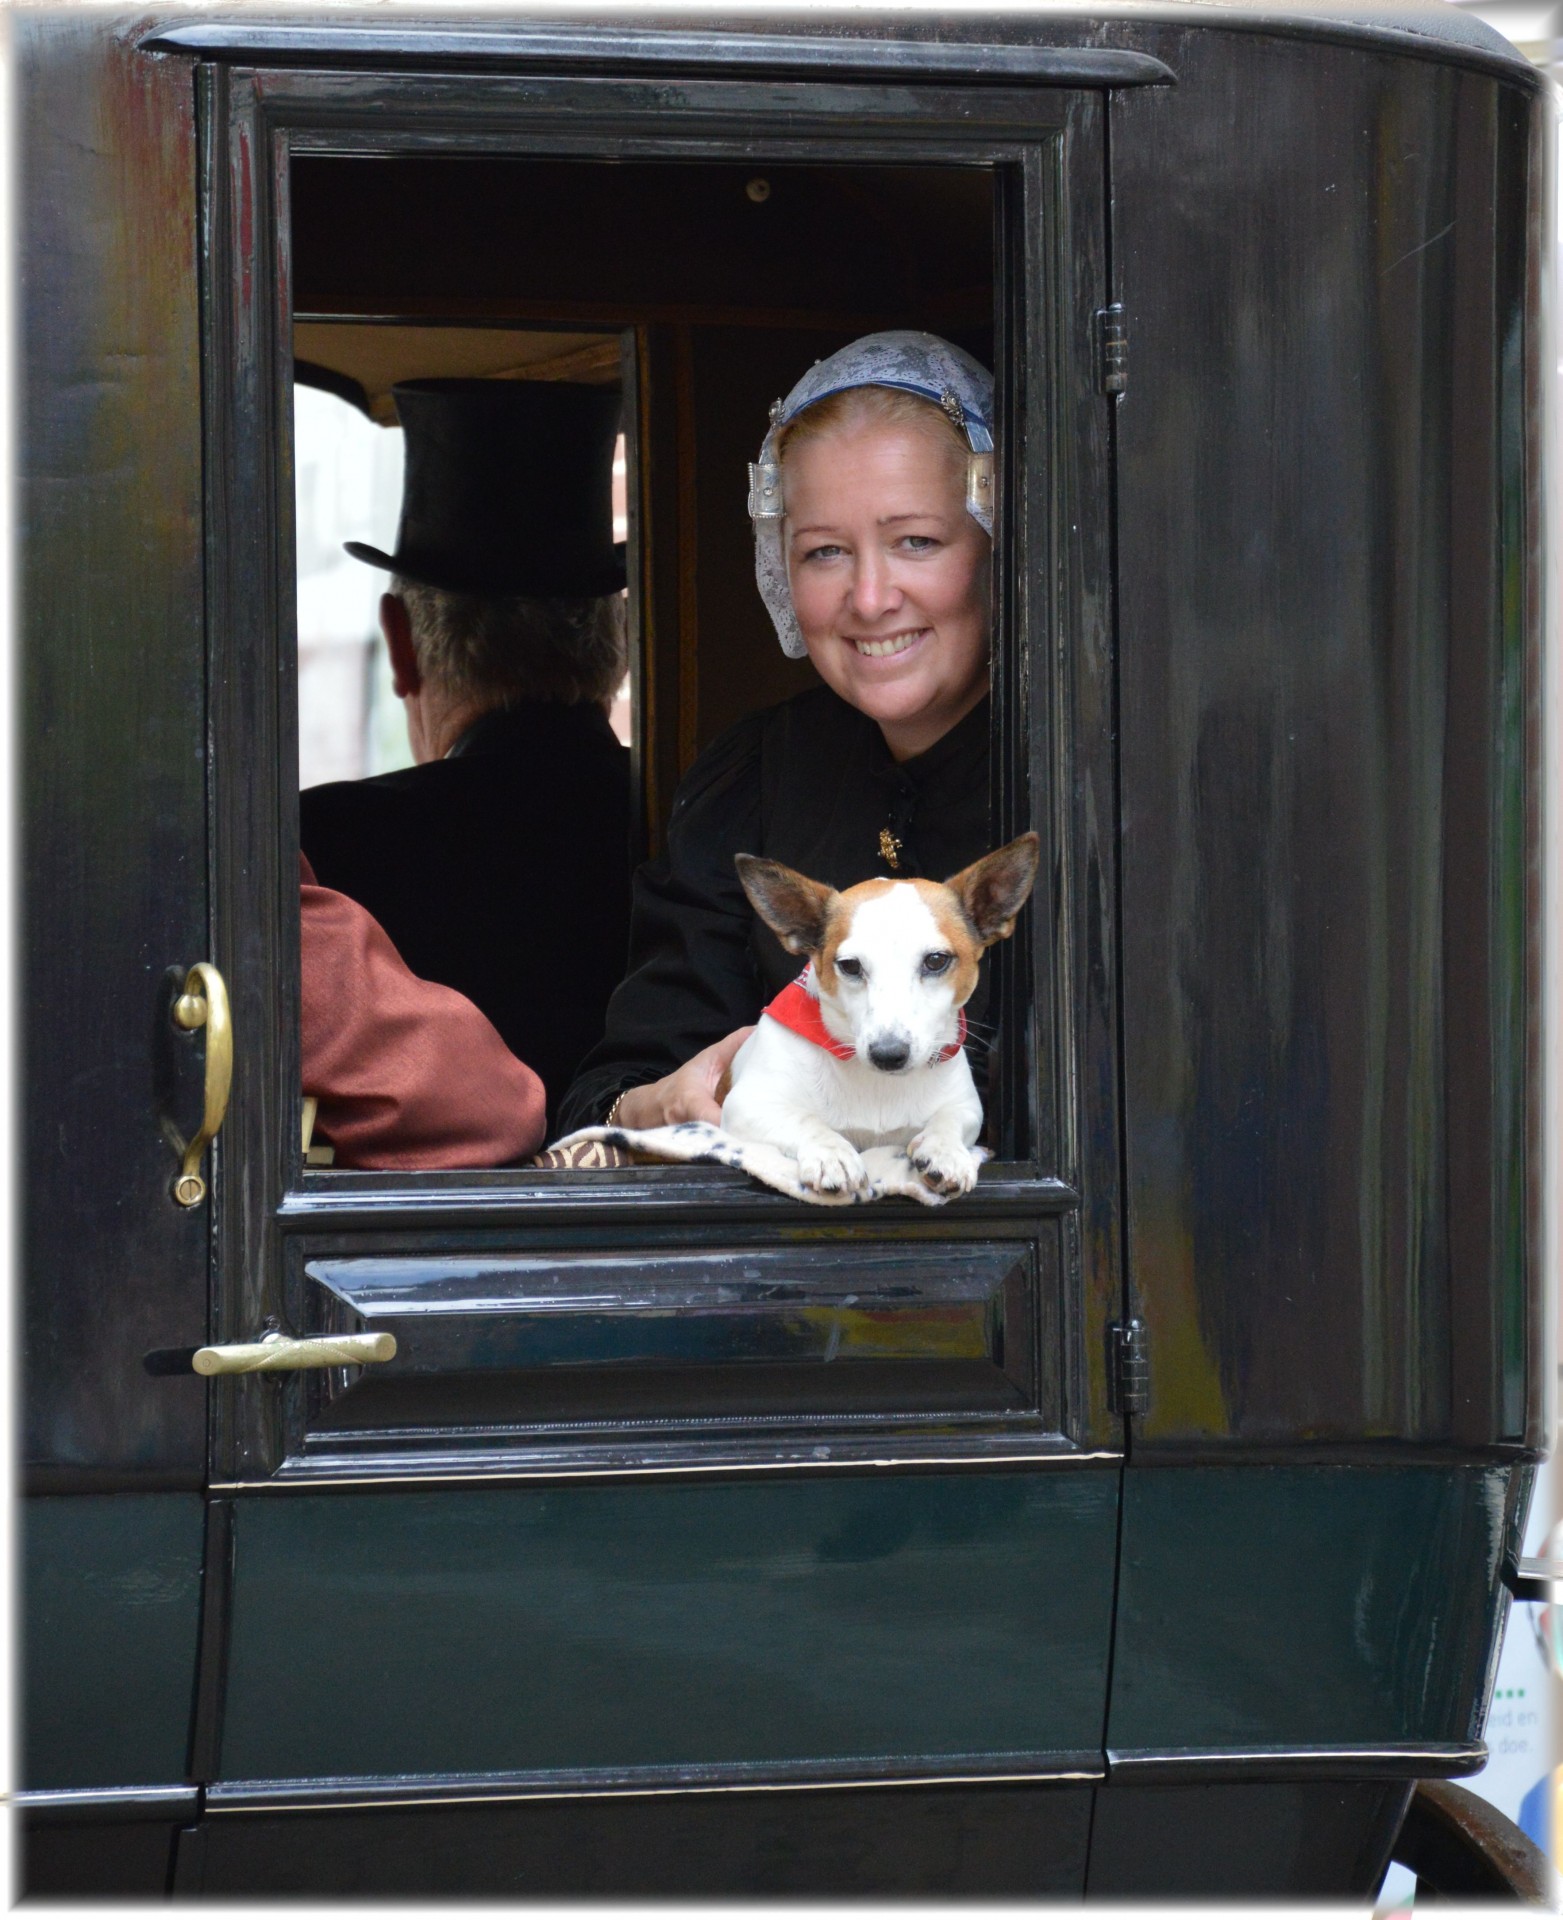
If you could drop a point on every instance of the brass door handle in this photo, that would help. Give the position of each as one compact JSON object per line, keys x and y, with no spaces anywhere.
{"x":278,"y":1353}
{"x":204,"y":1003}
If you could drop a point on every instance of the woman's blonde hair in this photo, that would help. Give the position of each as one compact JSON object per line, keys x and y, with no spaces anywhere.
{"x":873,"y":406}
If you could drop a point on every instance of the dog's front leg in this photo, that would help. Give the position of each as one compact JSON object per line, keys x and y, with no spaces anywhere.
{"x":826,"y":1161}
{"x":945,"y":1151}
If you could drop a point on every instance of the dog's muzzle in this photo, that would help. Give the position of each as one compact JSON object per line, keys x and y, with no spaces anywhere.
{"x":890,"y":1056}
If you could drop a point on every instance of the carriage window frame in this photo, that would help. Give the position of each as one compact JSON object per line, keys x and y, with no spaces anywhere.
{"x":1052,"y":764}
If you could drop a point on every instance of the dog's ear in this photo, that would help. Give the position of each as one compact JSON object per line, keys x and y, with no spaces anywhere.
{"x":795,"y":909}
{"x":994,"y":889}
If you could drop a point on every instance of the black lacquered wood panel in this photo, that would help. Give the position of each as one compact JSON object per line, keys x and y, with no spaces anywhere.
{"x":523,"y":1339}
{"x":1328,"y":553}
{"x":1226,"y":1841}
{"x":915,"y":1841}
{"x":113,"y":804}
{"x":707,"y":1353}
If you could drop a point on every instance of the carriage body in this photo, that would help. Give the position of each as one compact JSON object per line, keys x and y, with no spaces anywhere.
{"x":1139,"y":1524}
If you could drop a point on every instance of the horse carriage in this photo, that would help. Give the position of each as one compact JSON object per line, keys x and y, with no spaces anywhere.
{"x":1144,"y":1521}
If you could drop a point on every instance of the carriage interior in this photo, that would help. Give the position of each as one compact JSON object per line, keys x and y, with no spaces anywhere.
{"x":701,"y":291}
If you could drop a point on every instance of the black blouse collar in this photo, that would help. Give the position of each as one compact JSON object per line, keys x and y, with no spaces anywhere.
{"x":964,"y":744}
{"x":966,"y":739}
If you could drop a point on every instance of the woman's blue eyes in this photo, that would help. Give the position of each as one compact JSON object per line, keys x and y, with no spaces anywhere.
{"x":908,"y":542}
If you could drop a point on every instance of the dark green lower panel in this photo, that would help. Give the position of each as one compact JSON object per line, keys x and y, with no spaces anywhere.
{"x":522,"y":1628}
{"x":111,"y":1603}
{"x":1307,"y":1606}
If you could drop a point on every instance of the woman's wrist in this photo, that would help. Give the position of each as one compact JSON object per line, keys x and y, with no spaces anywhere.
{"x":635,"y":1107}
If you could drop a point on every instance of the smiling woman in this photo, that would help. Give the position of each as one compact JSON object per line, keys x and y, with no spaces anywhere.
{"x":872,"y":508}
{"x":888,"y":571}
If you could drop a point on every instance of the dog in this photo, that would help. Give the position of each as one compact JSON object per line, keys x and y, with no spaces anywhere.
{"x":865,"y":1049}
{"x":854,"y":1084}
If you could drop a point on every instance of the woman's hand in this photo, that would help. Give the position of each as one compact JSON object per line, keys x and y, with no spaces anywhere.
{"x":689,"y":1094}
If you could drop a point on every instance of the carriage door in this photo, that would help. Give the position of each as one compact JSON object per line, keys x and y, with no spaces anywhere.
{"x":674,"y":1493}
{"x":109,"y":1536}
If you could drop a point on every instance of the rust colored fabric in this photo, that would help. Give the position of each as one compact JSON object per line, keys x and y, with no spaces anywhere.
{"x":408,"y":1074}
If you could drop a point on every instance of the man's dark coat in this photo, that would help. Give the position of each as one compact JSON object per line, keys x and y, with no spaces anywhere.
{"x":502,"y":871}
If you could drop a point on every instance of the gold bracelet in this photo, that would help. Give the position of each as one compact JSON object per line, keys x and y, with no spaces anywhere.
{"x":613,"y":1111}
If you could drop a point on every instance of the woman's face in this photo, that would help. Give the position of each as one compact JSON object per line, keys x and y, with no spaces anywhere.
{"x":889,"y":577}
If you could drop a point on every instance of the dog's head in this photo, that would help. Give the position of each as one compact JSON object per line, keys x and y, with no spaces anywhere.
{"x":895,"y":960}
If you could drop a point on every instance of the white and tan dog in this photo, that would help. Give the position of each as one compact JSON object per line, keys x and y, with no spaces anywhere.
{"x":855,"y":1084}
{"x":865,"y":1049}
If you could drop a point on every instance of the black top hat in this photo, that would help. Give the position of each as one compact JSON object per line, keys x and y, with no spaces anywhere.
{"x":508,"y":488}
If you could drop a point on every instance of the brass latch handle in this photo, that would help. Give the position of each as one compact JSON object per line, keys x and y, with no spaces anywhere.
{"x":278,"y":1353}
{"x":204,"y":1003}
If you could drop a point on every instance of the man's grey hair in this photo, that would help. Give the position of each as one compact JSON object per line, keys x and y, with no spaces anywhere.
{"x":513,"y":647}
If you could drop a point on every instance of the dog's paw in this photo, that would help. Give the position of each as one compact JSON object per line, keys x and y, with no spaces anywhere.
{"x":836,"y":1168}
{"x":946,"y":1165}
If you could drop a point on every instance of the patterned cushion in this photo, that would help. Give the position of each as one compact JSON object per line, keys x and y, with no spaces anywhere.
{"x":589,"y":1153}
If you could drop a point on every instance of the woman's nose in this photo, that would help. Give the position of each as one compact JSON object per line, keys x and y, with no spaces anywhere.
{"x":874,"y":591}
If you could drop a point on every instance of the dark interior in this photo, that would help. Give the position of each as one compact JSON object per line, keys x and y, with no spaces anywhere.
{"x":732,"y":278}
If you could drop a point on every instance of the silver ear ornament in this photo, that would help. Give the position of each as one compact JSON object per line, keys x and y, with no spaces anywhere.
{"x":979,"y":485}
{"x":765,"y":494}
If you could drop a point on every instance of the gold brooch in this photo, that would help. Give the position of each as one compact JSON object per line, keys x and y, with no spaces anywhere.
{"x":889,"y":847}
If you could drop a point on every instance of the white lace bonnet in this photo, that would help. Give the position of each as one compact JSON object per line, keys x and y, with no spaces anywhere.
{"x":917,"y":362}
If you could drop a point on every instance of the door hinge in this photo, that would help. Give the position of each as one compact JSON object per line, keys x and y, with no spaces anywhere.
{"x":1112,"y":349}
{"x":1131,"y":1370}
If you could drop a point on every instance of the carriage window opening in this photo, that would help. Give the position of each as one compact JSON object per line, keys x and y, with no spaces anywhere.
{"x":474,"y":286}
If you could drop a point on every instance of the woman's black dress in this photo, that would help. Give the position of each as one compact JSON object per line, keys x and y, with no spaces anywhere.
{"x":810,"y":783}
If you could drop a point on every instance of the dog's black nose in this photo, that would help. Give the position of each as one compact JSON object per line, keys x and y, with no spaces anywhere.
{"x":890,"y":1056}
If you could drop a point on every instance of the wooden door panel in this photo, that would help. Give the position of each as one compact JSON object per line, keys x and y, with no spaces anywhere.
{"x":541,"y":1360}
{"x":113,"y":776}
{"x":785,"y":1628}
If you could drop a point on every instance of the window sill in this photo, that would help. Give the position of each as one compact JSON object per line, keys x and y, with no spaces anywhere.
{"x":503,"y":1195}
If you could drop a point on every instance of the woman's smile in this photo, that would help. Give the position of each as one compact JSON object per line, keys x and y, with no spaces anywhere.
{"x":889,"y":576}
{"x":889,"y":645}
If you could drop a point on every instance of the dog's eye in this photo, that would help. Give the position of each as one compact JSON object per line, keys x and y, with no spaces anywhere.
{"x":853,"y":969}
{"x":938,"y":962}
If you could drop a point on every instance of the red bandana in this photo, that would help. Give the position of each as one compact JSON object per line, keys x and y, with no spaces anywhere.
{"x":796,"y":1009}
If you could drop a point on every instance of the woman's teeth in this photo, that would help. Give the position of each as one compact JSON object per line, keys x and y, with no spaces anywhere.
{"x":894,"y":643}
